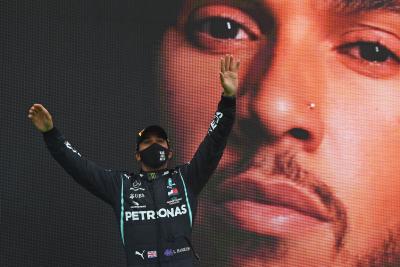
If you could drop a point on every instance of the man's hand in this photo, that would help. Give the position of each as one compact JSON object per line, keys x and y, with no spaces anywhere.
{"x":229,"y":75}
{"x":41,"y":118}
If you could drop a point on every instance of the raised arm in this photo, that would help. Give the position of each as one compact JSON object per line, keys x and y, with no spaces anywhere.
{"x":210,"y":151}
{"x":101,"y":182}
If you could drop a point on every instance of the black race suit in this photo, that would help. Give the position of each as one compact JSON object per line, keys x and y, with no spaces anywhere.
{"x":155,"y":211}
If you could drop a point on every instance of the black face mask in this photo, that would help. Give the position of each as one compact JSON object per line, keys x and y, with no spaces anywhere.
{"x":154,"y":156}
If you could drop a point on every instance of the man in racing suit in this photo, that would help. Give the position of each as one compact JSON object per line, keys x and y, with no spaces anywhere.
{"x":156,"y":207}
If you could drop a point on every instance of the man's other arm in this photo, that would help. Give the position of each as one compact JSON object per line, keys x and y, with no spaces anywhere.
{"x":99,"y":181}
{"x":210,"y":151}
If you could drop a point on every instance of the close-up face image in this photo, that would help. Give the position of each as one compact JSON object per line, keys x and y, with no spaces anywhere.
{"x":311,"y":174}
{"x":266,"y":131}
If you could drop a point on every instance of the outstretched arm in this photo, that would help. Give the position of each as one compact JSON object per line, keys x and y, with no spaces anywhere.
{"x":229,"y":75}
{"x":103,"y":183}
{"x":210,"y":151}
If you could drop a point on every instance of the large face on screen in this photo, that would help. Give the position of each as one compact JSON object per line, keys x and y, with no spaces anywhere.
{"x":311,"y":175}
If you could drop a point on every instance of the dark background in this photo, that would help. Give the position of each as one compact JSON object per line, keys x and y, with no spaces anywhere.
{"x":90,"y":63}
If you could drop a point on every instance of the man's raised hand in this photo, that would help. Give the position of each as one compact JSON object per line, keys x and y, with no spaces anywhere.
{"x":229,"y":75}
{"x":41,"y":118}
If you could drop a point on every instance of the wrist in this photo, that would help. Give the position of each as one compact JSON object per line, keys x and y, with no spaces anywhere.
{"x":48,"y":129}
{"x":224,"y":93}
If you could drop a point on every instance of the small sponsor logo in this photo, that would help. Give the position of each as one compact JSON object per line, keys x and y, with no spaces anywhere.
{"x":218,"y":115}
{"x":171,"y":252}
{"x":151,"y":176}
{"x":151,"y":254}
{"x":137,"y":253}
{"x":173,"y":192}
{"x":163,"y":157}
{"x":136,"y":186}
{"x":69,"y":146}
{"x":136,"y":196}
{"x":181,"y":250}
{"x":170,"y":183}
{"x":136,"y":205}
{"x":174,"y":200}
{"x":168,"y":252}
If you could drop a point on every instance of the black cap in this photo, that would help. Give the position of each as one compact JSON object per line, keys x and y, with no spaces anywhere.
{"x":150,"y":130}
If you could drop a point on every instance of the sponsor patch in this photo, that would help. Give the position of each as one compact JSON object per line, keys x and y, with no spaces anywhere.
{"x":133,"y":196}
{"x":218,"y":115}
{"x":146,"y":215}
{"x":173,"y":192}
{"x":163,"y":157}
{"x":137,"y":205}
{"x":170,"y":183}
{"x":140,"y":254}
{"x":136,"y":186}
{"x":70,"y":147}
{"x":151,"y":176}
{"x":169,"y":252}
{"x":151,"y":254}
{"x":181,"y":250}
{"x":174,"y":201}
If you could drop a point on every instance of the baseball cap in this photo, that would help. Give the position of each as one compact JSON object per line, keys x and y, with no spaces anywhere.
{"x":150,"y":130}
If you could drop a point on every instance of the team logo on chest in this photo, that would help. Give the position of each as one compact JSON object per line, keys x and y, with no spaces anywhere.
{"x":172,"y":192}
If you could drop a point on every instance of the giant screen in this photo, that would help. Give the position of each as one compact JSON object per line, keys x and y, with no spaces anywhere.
{"x":311,"y":172}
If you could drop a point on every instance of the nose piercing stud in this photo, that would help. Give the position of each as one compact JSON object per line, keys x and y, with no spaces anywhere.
{"x":311,"y":105}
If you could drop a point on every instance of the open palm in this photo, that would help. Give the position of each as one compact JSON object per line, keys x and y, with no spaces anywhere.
{"x":229,"y":75}
{"x":41,"y":118}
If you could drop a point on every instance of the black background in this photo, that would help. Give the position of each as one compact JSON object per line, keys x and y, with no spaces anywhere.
{"x":91,"y":64}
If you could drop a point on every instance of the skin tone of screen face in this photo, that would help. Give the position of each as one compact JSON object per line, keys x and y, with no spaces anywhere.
{"x":310,"y":176}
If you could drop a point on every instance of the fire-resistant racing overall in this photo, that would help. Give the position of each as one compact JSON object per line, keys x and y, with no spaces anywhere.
{"x":155,"y":211}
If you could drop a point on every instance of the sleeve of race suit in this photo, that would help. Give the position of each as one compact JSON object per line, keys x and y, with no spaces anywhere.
{"x":204,"y":162}
{"x":101,"y":182}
